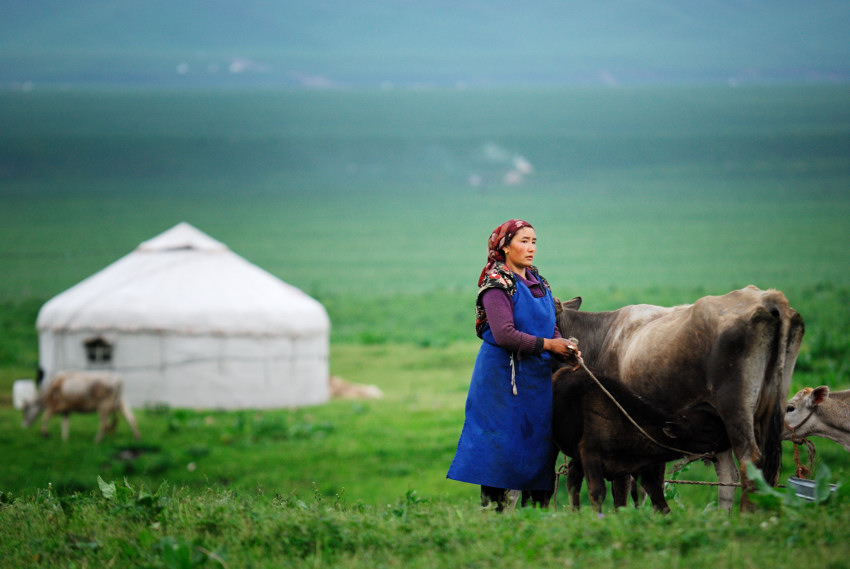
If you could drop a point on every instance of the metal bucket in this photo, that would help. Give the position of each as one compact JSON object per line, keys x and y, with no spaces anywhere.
{"x":805,"y":489}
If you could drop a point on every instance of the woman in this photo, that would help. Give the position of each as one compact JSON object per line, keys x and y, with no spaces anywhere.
{"x":506,"y":439}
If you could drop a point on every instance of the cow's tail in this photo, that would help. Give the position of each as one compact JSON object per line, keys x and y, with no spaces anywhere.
{"x":772,"y":449}
{"x":784,"y":355}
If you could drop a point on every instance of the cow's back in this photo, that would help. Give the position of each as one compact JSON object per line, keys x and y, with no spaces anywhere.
{"x":82,"y":391}
{"x":663,"y":352}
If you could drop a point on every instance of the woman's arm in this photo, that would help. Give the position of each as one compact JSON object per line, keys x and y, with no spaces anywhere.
{"x":500,"y":316}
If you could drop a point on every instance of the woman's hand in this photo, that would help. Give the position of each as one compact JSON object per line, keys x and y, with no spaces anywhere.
{"x":561,"y":347}
{"x":564,"y":349}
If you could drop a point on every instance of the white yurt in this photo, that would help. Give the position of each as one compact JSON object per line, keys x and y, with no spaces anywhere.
{"x":188,"y":323}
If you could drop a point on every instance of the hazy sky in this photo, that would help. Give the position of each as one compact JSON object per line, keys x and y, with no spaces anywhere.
{"x":343,"y":42}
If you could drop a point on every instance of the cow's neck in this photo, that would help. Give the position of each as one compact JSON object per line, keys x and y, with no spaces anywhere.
{"x":833,"y":422}
{"x":591,"y":330}
{"x":832,"y":432}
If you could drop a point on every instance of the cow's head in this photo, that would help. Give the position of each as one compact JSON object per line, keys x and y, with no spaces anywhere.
{"x":800,"y":408}
{"x":32,"y":408}
{"x":698,"y":430}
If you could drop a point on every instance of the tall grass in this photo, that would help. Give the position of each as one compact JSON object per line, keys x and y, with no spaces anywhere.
{"x":129,"y":526}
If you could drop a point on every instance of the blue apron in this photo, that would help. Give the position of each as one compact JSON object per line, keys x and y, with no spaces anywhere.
{"x":506,"y":440}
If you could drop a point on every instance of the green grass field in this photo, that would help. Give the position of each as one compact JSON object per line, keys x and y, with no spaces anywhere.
{"x":379,"y":204}
{"x":698,"y":190}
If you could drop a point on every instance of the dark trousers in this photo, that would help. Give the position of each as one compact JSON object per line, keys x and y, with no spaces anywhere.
{"x":498,"y":496}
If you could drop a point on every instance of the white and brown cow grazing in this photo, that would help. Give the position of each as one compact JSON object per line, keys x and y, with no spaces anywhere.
{"x":734,"y":352}
{"x":81,"y":392}
{"x":818,"y":412}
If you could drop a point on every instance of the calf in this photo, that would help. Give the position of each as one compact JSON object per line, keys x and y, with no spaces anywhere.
{"x":81,"y":392}
{"x":818,"y":412}
{"x":588,"y":427}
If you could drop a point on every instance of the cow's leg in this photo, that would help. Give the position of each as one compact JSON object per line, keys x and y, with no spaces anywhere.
{"x":727,"y":473}
{"x":45,"y":417}
{"x":66,"y":425}
{"x":113,"y":421}
{"x":596,"y":485}
{"x":620,"y":487}
{"x":747,"y":488}
{"x":103,"y":425}
{"x":638,"y":494}
{"x":634,"y":492}
{"x":735,"y":408}
{"x":131,"y":420}
{"x":740,"y":429}
{"x":652,"y":480}
{"x":575,"y":476}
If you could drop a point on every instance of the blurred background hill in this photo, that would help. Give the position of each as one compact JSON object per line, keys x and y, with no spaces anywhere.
{"x":397,"y":43}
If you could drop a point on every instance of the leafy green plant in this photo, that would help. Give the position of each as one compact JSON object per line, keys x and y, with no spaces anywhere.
{"x":137,"y":502}
{"x":775,"y":499}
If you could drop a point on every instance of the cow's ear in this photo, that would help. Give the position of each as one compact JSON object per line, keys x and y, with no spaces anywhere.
{"x":670,"y":429}
{"x":820,"y":394}
{"x":571,"y":304}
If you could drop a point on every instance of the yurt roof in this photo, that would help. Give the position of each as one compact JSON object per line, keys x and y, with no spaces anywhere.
{"x":184,"y":281}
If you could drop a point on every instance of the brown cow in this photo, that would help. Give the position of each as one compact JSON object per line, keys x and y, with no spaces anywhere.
{"x":81,"y":392}
{"x":605,"y":445}
{"x":818,"y":412}
{"x":734,"y":352}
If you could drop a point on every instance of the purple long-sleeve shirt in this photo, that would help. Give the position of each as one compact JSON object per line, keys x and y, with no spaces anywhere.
{"x":500,"y":316}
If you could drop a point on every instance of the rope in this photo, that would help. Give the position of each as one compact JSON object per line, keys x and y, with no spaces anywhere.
{"x":701,"y":483}
{"x":563,"y":469}
{"x":802,"y":470}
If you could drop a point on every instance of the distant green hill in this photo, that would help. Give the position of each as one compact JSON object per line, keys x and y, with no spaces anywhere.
{"x":402,"y":43}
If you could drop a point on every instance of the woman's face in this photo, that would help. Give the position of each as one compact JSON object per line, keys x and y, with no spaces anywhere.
{"x":519,"y":253}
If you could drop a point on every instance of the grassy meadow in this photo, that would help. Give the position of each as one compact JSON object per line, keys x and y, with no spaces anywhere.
{"x":379,"y":203}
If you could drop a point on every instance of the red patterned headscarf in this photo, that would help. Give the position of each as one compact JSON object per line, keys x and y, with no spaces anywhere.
{"x":500,"y":237}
